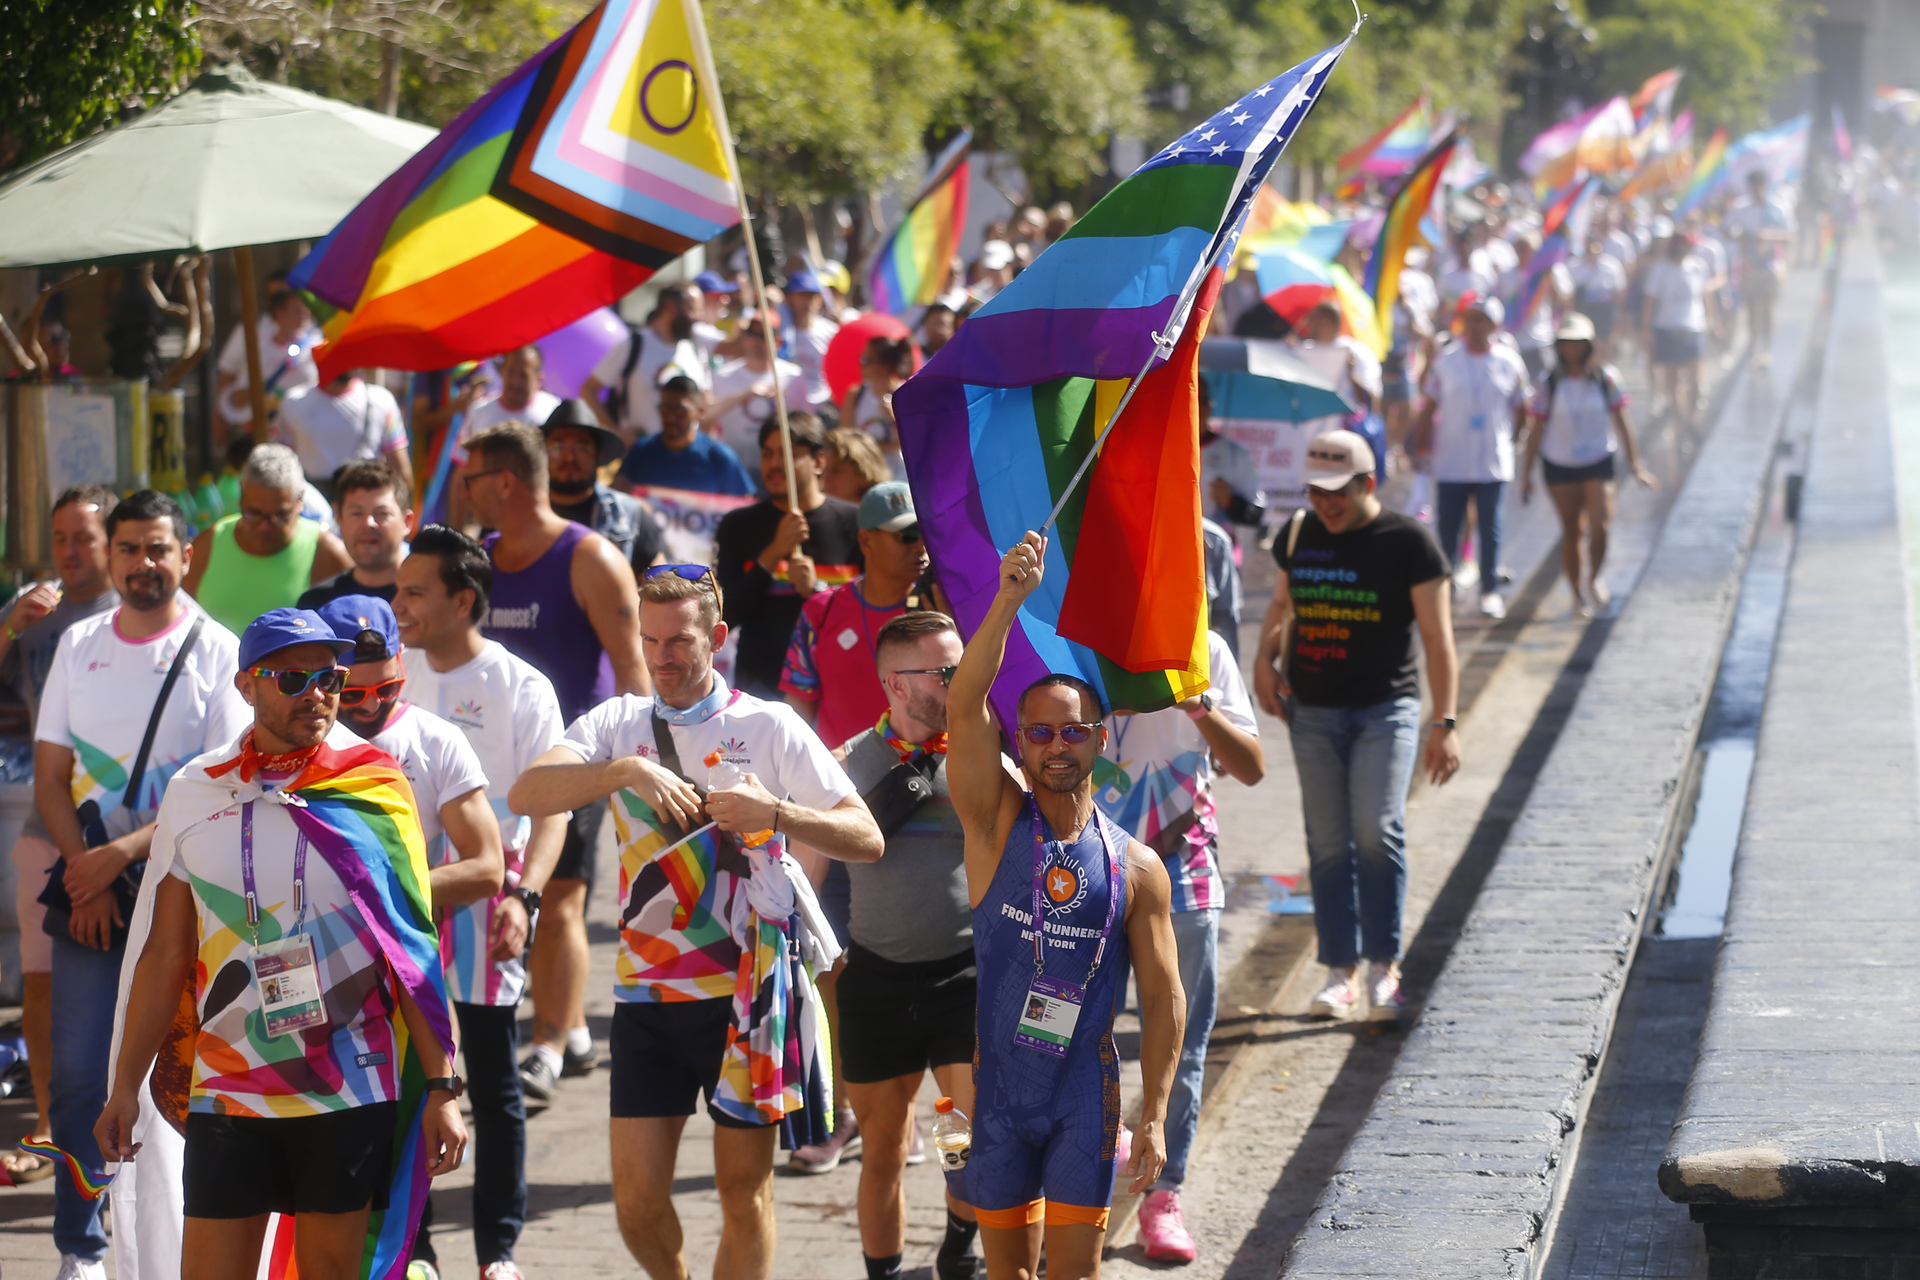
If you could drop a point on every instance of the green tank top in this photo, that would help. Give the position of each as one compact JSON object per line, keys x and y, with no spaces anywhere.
{"x":239,"y":587}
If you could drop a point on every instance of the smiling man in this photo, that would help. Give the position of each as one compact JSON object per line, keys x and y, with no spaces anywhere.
{"x":1355,"y":582}
{"x":374,"y":509}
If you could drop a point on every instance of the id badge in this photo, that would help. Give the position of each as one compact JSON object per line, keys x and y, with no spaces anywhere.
{"x":1052,"y":1009}
{"x":289,"y":985}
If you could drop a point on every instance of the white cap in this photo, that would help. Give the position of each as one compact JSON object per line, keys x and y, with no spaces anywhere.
{"x":996,"y":255}
{"x":1335,"y":457}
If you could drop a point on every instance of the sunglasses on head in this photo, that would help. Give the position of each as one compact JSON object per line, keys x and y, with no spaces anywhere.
{"x":945,"y":673}
{"x":355,"y":694}
{"x":294,"y":683}
{"x":691,"y":572}
{"x":1071,"y":734}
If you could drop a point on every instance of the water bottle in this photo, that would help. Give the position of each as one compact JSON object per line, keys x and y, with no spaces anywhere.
{"x":952,"y":1136}
{"x":723,"y":774}
{"x":207,"y":498}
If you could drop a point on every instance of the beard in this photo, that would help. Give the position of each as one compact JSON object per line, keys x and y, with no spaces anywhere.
{"x":928,"y":710}
{"x":368,"y":724}
{"x":145,"y":591}
{"x":682,"y":327}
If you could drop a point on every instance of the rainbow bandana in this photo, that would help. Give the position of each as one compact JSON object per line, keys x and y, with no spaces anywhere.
{"x":909,"y":751}
{"x":358,"y":812}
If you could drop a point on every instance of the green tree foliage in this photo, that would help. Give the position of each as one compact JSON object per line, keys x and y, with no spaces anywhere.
{"x":69,"y":67}
{"x":1736,"y":52}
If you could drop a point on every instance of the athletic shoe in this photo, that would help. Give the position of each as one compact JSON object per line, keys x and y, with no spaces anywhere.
{"x":579,"y":1064}
{"x":1336,"y":1000}
{"x":917,"y":1147}
{"x":421,"y":1269}
{"x":504,"y":1270}
{"x":1163,"y":1232}
{"x":825,"y":1157}
{"x":1491,"y":605}
{"x":73,"y":1267}
{"x":1385,"y":1001}
{"x":537,"y":1079}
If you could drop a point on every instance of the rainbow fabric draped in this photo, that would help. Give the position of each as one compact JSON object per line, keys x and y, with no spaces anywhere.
{"x":911,"y":268}
{"x":1400,"y":231}
{"x":573,"y":180}
{"x":358,"y":813}
{"x":996,"y":425}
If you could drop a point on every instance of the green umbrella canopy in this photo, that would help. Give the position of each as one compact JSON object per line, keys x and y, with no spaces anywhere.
{"x":230,"y":161}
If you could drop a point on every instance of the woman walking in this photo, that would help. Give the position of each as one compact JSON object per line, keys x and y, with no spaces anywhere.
{"x":1579,"y":419}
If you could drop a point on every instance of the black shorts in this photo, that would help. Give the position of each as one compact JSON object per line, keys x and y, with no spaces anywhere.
{"x":1557,"y":474}
{"x":244,"y":1166}
{"x":899,"y":1019}
{"x":665,"y":1056}
{"x":580,"y":851}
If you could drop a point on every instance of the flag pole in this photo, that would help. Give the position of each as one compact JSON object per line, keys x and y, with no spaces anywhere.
{"x":697,"y":30}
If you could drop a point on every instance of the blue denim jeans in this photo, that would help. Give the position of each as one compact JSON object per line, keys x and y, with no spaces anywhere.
{"x":1197,"y":935}
{"x":86,"y":983}
{"x":1453,"y":519}
{"x":1355,"y":764}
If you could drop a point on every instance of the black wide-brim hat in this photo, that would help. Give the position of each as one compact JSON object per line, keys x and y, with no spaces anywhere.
{"x":578,"y":413}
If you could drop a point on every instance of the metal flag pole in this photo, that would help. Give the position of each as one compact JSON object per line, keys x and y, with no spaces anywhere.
{"x":698,"y":32}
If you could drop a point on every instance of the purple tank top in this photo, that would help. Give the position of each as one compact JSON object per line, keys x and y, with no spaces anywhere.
{"x":534,"y":614}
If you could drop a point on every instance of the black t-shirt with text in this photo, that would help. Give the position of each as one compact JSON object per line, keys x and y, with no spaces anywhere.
{"x":1353,"y":627}
{"x":763,"y":606}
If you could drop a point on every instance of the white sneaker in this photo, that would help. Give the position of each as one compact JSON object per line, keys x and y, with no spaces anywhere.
{"x":1385,"y":1001}
{"x":1337,"y":1000}
{"x":1491,"y":605}
{"x":74,"y":1267}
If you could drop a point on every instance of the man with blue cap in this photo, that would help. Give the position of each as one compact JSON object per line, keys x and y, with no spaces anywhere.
{"x":465,"y":852}
{"x":810,"y":334}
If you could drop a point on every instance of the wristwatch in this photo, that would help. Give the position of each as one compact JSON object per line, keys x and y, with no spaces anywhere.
{"x":447,"y":1084}
{"x":1445,"y":722}
{"x":1206,"y":706}
{"x":529,"y":898}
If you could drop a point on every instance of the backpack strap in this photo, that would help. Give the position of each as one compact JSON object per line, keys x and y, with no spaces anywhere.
{"x":1293,"y":530}
{"x":617,"y":393}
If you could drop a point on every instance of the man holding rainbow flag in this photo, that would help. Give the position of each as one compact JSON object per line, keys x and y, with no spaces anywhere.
{"x":289,"y":984}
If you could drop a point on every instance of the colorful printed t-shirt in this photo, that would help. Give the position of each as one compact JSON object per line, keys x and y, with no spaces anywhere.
{"x":511,"y":717}
{"x":238,"y":1069}
{"x":100,"y":692}
{"x":1155,"y":779}
{"x":832,"y":662}
{"x":666,"y":956}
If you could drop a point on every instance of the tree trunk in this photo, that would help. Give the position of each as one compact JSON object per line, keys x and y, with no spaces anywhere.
{"x":389,"y":101}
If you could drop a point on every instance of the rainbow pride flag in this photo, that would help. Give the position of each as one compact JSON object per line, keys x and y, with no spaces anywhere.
{"x":1399,"y":231}
{"x":592,"y":166}
{"x":1564,"y":226}
{"x":910,"y":269}
{"x":1394,"y":149}
{"x":1706,"y":173}
{"x":996,"y":425}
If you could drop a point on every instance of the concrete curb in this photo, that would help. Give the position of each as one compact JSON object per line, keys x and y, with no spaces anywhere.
{"x":1458,"y":1168}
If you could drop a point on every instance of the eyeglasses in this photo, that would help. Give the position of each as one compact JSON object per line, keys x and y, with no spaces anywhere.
{"x":1071,"y":734}
{"x":691,"y":572}
{"x":355,"y":694}
{"x":467,"y":480}
{"x":294,"y":683}
{"x":945,"y":673}
{"x":285,"y":516}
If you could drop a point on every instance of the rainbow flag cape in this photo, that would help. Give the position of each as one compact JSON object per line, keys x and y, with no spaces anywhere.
{"x":911,"y":267}
{"x":1399,"y":231}
{"x":359,"y":814}
{"x":592,"y":166}
{"x":995,"y":426}
{"x":1706,"y":173}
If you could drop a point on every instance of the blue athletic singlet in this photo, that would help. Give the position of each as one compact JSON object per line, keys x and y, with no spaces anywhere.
{"x":1045,"y":1126}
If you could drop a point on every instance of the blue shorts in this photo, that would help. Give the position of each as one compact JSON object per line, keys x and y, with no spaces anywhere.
{"x":1054,"y":1164}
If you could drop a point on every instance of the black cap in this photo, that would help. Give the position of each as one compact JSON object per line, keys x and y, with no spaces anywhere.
{"x":578,"y":413}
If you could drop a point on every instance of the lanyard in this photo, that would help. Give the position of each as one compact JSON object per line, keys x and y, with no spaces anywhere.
{"x":1039,"y":873}
{"x":246,"y":874}
{"x":701,"y":711}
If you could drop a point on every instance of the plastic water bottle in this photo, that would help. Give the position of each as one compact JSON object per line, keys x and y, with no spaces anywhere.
{"x":207,"y":498}
{"x":723,"y":774}
{"x":952,"y":1135}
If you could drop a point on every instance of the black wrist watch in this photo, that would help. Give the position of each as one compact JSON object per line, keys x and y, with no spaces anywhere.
{"x":1445,"y":722}
{"x":529,"y":898}
{"x":447,"y":1084}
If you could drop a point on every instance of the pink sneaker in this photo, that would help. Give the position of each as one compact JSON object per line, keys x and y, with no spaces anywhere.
{"x":1163,"y":1232}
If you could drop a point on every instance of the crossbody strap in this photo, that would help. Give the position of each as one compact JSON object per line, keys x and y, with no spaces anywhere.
{"x":138,"y":773}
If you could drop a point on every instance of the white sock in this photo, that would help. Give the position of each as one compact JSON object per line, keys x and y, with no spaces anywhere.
{"x":549,"y":1056}
{"x":579,"y":1042}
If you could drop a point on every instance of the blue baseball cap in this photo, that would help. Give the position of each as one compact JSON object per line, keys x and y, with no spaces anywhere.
{"x":804,"y":282}
{"x":888,"y":507}
{"x":367,"y":625}
{"x":713,"y":282}
{"x":278,"y":629}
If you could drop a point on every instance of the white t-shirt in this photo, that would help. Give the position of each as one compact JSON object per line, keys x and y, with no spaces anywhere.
{"x":808,"y":349}
{"x":100,"y":692}
{"x":491,"y":413}
{"x":1622,"y":247}
{"x":740,"y":425}
{"x":1579,"y":421}
{"x":1418,"y":294}
{"x":1601,"y":278}
{"x":659,"y":961}
{"x":511,"y":717}
{"x":1750,"y":218}
{"x":659,"y":360}
{"x":329,"y":431}
{"x":1473,"y":425}
{"x":438,"y":762}
{"x":283,"y":370}
{"x":1678,"y":291}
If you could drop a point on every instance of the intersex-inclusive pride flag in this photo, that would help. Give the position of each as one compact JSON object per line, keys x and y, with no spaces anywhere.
{"x":911,"y":268}
{"x":995,"y":426}
{"x":595,"y":164}
{"x":1400,"y":231}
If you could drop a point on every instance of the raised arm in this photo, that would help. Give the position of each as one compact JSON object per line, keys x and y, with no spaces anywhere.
{"x":974,"y":777}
